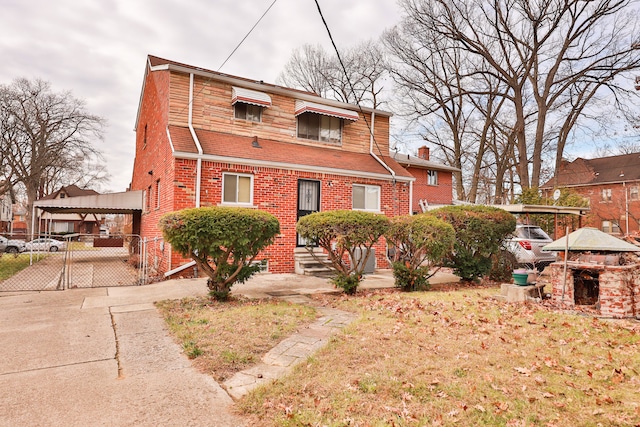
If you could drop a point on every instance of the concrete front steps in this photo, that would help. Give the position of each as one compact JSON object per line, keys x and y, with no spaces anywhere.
{"x":306,"y":264}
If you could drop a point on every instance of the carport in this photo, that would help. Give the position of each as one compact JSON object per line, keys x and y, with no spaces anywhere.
{"x":88,"y":261}
{"x":527,"y":210}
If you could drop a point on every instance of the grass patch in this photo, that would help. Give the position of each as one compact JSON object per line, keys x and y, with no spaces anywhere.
{"x":225,"y":338}
{"x":11,"y":264}
{"x":459,"y":358}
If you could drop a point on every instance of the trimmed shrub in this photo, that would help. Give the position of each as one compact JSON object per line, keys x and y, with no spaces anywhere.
{"x":223,"y":241}
{"x":341,"y":233}
{"x":417,"y":243}
{"x":480,"y":231}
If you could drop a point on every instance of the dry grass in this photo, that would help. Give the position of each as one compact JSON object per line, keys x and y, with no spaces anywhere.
{"x":460,"y":358}
{"x":224,"y":338}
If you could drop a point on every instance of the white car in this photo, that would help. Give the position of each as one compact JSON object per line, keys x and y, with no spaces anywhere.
{"x":45,"y":244}
{"x":11,"y":245}
{"x":526,"y":244}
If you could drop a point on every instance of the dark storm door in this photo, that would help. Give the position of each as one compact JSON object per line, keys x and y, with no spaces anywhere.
{"x":308,"y":201}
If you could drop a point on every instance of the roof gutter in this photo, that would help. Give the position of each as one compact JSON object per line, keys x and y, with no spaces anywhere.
{"x":197,"y":142}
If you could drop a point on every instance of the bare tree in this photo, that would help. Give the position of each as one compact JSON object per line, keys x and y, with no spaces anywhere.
{"x":553,"y":59}
{"x":46,"y":138}
{"x":313,"y":69}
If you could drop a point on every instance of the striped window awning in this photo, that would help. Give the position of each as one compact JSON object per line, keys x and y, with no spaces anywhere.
{"x":248,"y":96}
{"x":312,"y":107}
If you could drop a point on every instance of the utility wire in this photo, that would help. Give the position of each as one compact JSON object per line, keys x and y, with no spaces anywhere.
{"x":344,"y":69}
{"x":247,"y":35}
{"x":231,"y":54}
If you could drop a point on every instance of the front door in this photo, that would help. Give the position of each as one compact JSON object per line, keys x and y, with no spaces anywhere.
{"x":308,"y":200}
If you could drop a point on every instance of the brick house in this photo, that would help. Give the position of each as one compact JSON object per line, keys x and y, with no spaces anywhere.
{"x":70,"y":222}
{"x":434,"y":181}
{"x":612,"y":186}
{"x":205,"y":138}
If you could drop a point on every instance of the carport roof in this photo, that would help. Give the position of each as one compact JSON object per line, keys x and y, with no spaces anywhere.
{"x":117,"y":203}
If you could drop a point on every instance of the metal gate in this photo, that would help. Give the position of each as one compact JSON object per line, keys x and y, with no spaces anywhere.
{"x":81,"y":261}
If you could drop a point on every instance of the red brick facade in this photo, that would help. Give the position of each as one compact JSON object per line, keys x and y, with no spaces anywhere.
{"x":169,"y":159}
{"x":612,"y":187}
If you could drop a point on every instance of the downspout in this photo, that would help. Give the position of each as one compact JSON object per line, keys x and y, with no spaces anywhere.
{"x":410,"y":197}
{"x":195,"y":139}
{"x":373,"y":122}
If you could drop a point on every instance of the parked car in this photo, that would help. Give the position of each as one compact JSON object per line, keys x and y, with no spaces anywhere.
{"x":45,"y":244}
{"x":11,"y":245}
{"x":526,"y":244}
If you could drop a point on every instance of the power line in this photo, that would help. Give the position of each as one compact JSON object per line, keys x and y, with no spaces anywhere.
{"x":247,"y":35}
{"x":344,"y":69}
{"x":231,"y":54}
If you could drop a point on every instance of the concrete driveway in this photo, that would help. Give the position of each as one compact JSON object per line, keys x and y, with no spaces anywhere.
{"x":84,"y":357}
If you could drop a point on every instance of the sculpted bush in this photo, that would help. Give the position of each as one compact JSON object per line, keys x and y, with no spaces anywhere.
{"x":480,"y":231}
{"x":223,"y":241}
{"x":418,"y":243}
{"x":341,"y":234}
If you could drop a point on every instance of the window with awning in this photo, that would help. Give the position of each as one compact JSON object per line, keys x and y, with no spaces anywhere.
{"x":248,"y":96}
{"x":312,"y":107}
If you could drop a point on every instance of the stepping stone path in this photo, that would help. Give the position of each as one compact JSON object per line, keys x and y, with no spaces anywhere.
{"x":281,"y":359}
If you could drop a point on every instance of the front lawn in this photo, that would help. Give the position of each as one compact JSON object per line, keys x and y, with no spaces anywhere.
{"x":449,"y":357}
{"x":225,"y":338}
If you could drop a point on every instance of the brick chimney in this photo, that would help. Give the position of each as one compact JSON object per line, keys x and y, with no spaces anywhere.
{"x":423,"y":152}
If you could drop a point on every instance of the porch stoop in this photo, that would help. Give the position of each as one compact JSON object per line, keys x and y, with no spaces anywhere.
{"x":306,"y":264}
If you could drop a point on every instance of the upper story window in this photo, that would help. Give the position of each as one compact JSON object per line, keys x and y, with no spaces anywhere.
{"x":432,"y":177}
{"x":237,"y":188}
{"x":320,"y":128}
{"x":319,"y":122}
{"x":252,"y":113}
{"x":606,"y":194}
{"x":366,"y":197}
{"x":248,"y":104}
{"x":610,"y":227}
{"x":633,"y":193}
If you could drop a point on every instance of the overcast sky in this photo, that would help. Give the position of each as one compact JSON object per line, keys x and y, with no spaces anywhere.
{"x":97,"y":49}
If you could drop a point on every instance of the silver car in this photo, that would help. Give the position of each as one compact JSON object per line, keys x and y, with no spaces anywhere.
{"x":526,"y":244}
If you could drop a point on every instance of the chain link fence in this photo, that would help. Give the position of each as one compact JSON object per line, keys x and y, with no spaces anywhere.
{"x":74,"y":261}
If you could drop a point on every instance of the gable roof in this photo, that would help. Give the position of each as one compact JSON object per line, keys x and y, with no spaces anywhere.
{"x":225,"y":147}
{"x":602,"y":170}
{"x":407,"y":160}
{"x":70,"y":191}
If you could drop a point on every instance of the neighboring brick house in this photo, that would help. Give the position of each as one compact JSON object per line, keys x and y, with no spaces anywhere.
{"x":434,"y":181}
{"x":612,"y":186}
{"x":209,"y":139}
{"x":70,"y":222}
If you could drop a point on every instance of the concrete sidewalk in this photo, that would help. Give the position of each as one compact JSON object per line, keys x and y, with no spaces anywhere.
{"x":103,"y":357}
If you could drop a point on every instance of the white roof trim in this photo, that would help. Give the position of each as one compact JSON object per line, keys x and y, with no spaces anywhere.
{"x":248,"y":96}
{"x":312,"y":107}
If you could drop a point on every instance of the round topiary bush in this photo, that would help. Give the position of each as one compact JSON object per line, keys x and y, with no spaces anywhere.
{"x":480,"y":231}
{"x":223,"y":241}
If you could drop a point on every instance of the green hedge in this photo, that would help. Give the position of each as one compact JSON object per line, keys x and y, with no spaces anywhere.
{"x":480,"y":231}
{"x":223,"y":241}
{"x":341,"y":233}
{"x":417,"y":243}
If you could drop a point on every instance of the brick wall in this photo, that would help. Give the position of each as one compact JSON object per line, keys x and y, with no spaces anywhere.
{"x":275,"y":191}
{"x":441,"y":194}
{"x":619,"y":287}
{"x":614,"y":210}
